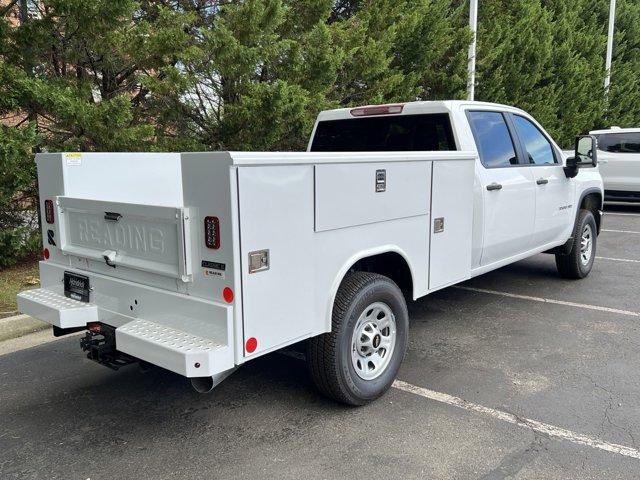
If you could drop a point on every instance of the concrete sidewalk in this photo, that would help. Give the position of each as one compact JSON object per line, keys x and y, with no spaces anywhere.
{"x":18,"y":325}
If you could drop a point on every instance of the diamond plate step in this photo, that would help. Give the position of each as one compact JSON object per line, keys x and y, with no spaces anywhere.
{"x":56,"y":309}
{"x":176,"y":350}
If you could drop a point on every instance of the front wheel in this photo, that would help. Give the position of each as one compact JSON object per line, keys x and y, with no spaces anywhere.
{"x":578,"y":263}
{"x":359,"y":359}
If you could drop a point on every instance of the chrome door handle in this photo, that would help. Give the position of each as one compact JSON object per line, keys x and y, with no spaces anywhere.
{"x":494,"y":186}
{"x":542,"y":181}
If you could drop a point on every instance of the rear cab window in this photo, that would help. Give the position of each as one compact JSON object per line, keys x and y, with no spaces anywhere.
{"x":421,"y":132}
{"x":627,"y":142}
{"x":493,"y":139}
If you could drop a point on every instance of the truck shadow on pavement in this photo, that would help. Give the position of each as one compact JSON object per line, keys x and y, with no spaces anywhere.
{"x":72,"y":401}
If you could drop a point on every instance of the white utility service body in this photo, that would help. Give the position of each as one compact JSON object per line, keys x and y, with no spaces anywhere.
{"x":202,"y":261}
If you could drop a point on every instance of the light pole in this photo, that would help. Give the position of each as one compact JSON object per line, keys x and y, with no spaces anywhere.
{"x":471,"y":64}
{"x":612,"y":20}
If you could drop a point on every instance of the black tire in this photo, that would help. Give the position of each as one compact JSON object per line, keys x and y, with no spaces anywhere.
{"x":329,"y":355}
{"x":572,"y":265}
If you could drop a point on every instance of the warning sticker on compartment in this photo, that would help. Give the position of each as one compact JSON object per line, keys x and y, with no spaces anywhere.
{"x":213,"y":273}
{"x":213,"y":269}
{"x":73,"y":158}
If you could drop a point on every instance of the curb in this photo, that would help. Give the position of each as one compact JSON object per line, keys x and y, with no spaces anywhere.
{"x":19,"y":325}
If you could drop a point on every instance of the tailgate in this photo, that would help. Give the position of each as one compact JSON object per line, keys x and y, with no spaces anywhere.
{"x":143,"y":237}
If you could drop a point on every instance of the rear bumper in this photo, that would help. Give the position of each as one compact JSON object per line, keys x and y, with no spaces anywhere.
{"x":186,"y":335}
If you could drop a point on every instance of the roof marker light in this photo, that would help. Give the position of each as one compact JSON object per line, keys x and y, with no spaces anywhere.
{"x":377,"y":110}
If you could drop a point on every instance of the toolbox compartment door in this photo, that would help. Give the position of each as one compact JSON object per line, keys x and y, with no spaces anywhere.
{"x":353,"y":194}
{"x":276,"y":220}
{"x":143,"y":237}
{"x":451,"y":222}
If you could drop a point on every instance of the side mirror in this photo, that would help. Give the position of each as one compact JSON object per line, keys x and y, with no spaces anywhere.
{"x":586,"y":151}
{"x":585,"y":155}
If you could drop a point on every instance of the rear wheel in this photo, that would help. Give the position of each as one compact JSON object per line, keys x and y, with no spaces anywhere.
{"x":578,"y":263}
{"x":358,"y":360}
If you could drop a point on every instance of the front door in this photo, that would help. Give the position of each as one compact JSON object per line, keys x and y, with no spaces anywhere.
{"x":554,"y":191}
{"x":507,"y":189}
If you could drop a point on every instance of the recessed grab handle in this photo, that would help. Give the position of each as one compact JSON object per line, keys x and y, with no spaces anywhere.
{"x":542,"y":181}
{"x":494,"y":186}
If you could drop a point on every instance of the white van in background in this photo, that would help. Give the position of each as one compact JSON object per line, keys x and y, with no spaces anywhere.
{"x":619,"y":161}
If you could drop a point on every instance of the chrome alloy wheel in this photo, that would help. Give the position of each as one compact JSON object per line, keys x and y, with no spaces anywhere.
{"x":586,"y":244}
{"x":373,"y":341}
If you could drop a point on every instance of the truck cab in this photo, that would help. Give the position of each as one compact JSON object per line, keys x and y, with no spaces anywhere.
{"x":523,"y":201}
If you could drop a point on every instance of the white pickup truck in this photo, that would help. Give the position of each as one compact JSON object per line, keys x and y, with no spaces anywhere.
{"x":199,"y":262}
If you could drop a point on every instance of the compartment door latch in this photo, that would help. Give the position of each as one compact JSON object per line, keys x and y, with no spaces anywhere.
{"x":258,"y":261}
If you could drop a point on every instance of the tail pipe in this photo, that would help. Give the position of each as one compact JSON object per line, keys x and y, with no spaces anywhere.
{"x":206,"y":384}
{"x":202,"y":384}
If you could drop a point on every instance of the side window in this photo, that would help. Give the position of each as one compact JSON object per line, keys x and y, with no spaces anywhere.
{"x":493,"y":139}
{"x":619,"y":142}
{"x":538,"y":148}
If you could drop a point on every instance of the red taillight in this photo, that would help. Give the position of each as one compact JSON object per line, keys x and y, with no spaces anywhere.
{"x":48,"y":211}
{"x":45,"y":254}
{"x":377,"y":110}
{"x":212,"y":232}
{"x":251,"y":345}
{"x":227,"y":294}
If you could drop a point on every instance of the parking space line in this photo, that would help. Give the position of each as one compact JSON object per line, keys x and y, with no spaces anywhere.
{"x":549,"y":300}
{"x":619,"y":259}
{"x":534,"y":425}
{"x":619,"y":231}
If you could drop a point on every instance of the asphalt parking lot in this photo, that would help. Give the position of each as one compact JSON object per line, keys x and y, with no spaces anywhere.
{"x":514,"y":374}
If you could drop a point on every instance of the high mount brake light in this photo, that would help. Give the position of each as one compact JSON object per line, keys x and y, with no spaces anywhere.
{"x":376,"y":110}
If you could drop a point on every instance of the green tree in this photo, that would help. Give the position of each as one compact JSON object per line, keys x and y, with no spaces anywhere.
{"x":18,"y":219}
{"x":623,"y":107}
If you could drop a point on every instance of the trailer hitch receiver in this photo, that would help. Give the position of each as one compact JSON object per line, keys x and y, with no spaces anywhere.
{"x":100,"y":344}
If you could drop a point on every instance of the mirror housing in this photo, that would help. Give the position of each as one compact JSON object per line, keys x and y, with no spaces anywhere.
{"x":585,"y":155}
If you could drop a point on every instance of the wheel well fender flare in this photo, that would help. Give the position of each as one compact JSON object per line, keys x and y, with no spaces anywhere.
{"x":583,"y":195}
{"x":350,"y":262}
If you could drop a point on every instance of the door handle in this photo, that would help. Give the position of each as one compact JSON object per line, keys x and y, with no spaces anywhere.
{"x":494,"y":186}
{"x":542,"y":181}
{"x":603,"y":160}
